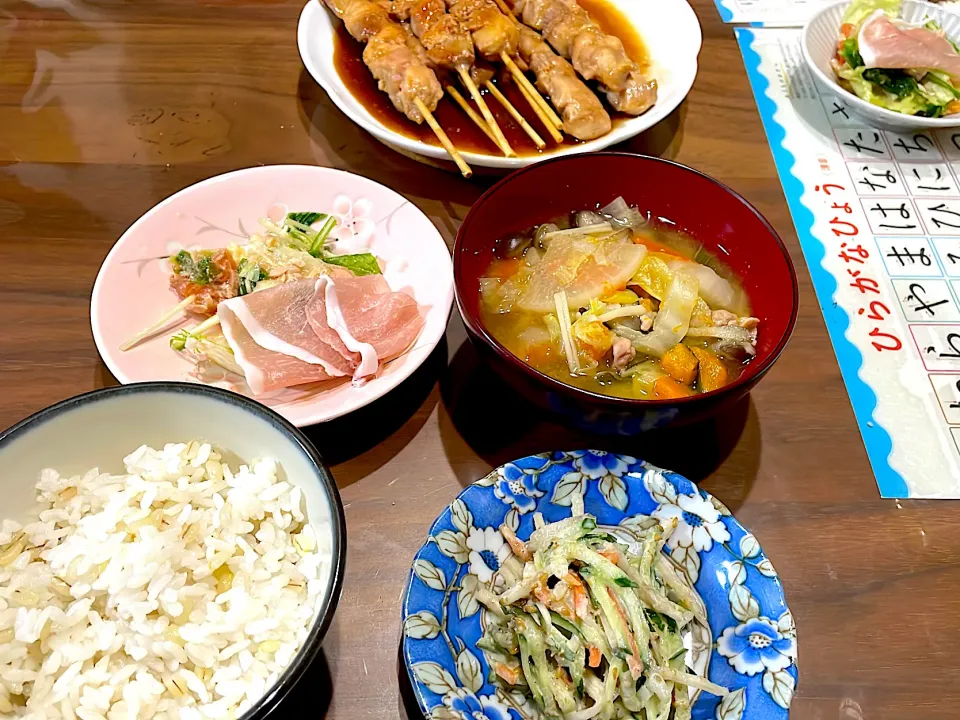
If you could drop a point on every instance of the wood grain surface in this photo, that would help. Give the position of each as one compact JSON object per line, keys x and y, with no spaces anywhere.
{"x":107,"y":107}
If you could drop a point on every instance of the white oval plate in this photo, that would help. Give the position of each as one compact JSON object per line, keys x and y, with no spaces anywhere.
{"x":132,"y":291}
{"x":819,"y":41}
{"x":669,"y":30}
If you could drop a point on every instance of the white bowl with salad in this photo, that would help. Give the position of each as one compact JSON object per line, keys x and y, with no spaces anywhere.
{"x":896,"y":63}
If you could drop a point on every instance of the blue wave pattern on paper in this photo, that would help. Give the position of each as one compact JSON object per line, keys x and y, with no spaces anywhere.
{"x":862,"y":397}
{"x":726,"y":14}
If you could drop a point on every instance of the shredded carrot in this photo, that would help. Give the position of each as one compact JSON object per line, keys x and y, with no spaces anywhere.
{"x":654,"y":245}
{"x":636,"y":667}
{"x":542,"y":593}
{"x":580,"y":601}
{"x":509,"y":674}
{"x":847,"y":30}
{"x":611,"y":554}
{"x":504,"y":269}
{"x":573,"y":579}
{"x":952,"y":107}
{"x":594,"y":660}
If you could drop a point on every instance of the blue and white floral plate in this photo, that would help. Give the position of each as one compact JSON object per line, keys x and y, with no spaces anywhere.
{"x":749,"y":647}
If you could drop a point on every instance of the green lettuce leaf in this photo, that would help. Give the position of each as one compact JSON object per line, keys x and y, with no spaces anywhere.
{"x":850,"y":52}
{"x":895,"y":82}
{"x":306,"y":218}
{"x":890,"y":92}
{"x":359,"y":264}
{"x":937,"y":86}
{"x":249,"y":276}
{"x":860,"y":10}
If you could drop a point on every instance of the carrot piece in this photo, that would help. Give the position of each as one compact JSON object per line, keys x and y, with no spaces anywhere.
{"x":594,"y":659}
{"x":611,"y":554}
{"x":542,"y":593}
{"x":953,"y":107}
{"x":666,"y":388}
{"x":504,"y":269}
{"x":509,"y":674}
{"x":539,"y":354}
{"x":593,"y":338}
{"x":654,"y":245}
{"x":680,"y":364}
{"x":580,"y":606}
{"x":636,"y":667}
{"x":847,"y":30}
{"x":713,"y":373}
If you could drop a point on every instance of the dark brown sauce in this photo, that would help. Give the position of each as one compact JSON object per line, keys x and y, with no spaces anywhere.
{"x":347,"y":59}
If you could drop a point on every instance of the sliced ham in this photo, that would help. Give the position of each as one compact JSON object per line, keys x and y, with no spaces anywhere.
{"x":317,"y":329}
{"x":265,"y":370}
{"x":277,"y":320}
{"x":372,"y":315}
{"x":326,"y":320}
{"x":885,"y":44}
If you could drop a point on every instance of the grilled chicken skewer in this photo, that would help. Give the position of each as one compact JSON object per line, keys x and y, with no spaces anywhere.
{"x":400,"y":71}
{"x":448,"y":45}
{"x":496,"y":37}
{"x":499,"y":35}
{"x":582,"y":112}
{"x":595,"y":55}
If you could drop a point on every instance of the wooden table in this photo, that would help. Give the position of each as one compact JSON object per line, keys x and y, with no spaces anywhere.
{"x":106,"y":108}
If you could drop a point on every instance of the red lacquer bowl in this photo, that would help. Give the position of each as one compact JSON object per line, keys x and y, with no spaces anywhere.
{"x":721,"y":220}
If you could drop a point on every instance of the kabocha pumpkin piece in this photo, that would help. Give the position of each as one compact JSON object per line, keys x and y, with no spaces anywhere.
{"x":680,"y":364}
{"x":713,"y":373}
{"x":666,"y":388}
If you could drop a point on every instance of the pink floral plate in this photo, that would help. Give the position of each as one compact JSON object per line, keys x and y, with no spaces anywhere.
{"x":131,"y":291}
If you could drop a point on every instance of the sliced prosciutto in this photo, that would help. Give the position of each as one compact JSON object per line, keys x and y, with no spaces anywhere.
{"x":885,"y":44}
{"x":277,"y":320}
{"x":317,"y":329}
{"x":265,"y":370}
{"x":370,"y":313}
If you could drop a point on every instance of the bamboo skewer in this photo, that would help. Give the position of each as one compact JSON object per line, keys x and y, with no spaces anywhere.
{"x":521,"y":78}
{"x":535,"y":106}
{"x":442,"y":137}
{"x":485,"y":111}
{"x":531,"y":91}
{"x":471,"y":113}
{"x":538,"y":141}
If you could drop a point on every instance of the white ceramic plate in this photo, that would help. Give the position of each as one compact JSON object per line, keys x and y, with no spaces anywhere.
{"x":132,"y":289}
{"x":819,"y":41}
{"x":669,"y":30}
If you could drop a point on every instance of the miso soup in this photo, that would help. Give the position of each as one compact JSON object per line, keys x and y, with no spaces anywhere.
{"x":610,"y":302}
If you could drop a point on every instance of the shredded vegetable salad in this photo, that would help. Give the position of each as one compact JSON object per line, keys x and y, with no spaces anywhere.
{"x":591,"y":627}
{"x":297,"y":247}
{"x":907,"y":69}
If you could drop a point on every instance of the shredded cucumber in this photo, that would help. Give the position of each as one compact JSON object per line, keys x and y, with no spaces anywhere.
{"x":595,"y":626}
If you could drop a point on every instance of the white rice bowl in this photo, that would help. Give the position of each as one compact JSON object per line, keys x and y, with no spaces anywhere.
{"x":182,"y":589}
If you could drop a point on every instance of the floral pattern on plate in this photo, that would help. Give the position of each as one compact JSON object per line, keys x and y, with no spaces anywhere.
{"x":750,"y":646}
